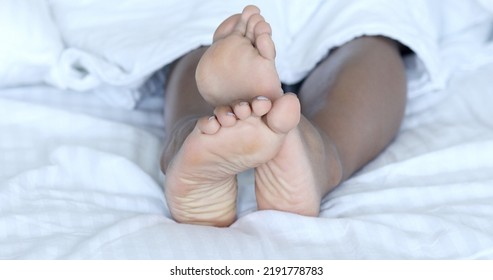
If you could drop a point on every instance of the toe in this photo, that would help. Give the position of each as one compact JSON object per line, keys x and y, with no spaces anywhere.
{"x":263,"y":40}
{"x":252,"y":22}
{"x":225,"y":116}
{"x":226,"y":27}
{"x":248,"y":12}
{"x":242,"y":110}
{"x":261,"y":106}
{"x":285,"y":114}
{"x":208,"y":125}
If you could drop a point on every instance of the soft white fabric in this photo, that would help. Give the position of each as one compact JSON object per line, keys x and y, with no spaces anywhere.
{"x":30,"y":42}
{"x":124,"y":42}
{"x":487,"y":4}
{"x":113,"y":46}
{"x":148,"y":115}
{"x":426,"y":27}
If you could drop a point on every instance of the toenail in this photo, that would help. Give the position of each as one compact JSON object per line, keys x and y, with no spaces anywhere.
{"x":261,"y":98}
{"x":243,"y":103}
{"x":212,"y":118}
{"x":231,"y":114}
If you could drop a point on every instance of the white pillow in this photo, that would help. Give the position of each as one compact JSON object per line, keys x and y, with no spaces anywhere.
{"x":30,"y":40}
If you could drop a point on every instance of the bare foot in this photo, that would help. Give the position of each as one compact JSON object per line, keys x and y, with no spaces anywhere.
{"x":300,"y":174}
{"x":240,"y":63}
{"x":291,"y":158}
{"x":201,"y":180}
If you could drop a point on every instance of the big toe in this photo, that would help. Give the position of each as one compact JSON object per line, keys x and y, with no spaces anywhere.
{"x":236,"y":23}
{"x":285,"y":113}
{"x":248,"y":12}
{"x":226,"y":27}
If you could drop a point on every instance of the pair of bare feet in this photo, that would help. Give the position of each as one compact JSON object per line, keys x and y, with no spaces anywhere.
{"x":254,"y":125}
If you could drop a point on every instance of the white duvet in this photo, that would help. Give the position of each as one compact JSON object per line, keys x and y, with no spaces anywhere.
{"x":113,"y":46}
{"x":75,"y":184}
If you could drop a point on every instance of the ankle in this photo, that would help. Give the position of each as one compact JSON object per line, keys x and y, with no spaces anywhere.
{"x":332,"y":161}
{"x":327,"y":161}
{"x":335,"y":163}
{"x":175,"y":136}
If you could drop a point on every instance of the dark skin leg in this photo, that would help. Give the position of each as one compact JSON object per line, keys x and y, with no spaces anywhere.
{"x":363,"y":87}
{"x":184,"y":104}
{"x":183,"y":98}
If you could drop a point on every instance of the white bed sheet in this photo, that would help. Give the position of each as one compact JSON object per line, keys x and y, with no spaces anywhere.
{"x":148,"y":113}
{"x":84,"y":183}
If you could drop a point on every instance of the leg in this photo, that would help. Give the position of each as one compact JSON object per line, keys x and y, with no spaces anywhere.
{"x":184,"y":104}
{"x":354,"y":103}
{"x":362,"y":91}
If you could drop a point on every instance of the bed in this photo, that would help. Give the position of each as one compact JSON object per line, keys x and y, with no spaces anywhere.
{"x":80,"y":178}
